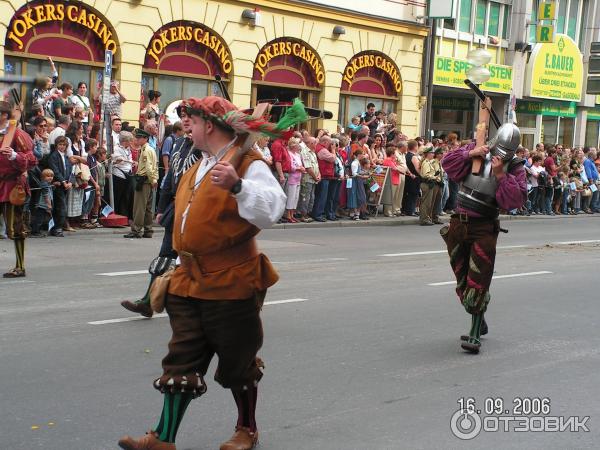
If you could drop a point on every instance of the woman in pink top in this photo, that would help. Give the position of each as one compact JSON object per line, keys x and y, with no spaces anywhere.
{"x":293,"y":184}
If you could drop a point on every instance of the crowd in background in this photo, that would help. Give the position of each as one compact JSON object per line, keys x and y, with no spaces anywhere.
{"x":327,"y":176}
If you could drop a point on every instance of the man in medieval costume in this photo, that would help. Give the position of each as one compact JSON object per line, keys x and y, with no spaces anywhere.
{"x":217,"y":290}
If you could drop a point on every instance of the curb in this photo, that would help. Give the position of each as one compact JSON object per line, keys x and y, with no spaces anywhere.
{"x":342,"y":223}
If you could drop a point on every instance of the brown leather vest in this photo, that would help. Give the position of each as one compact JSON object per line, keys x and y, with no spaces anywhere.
{"x":219,"y":259}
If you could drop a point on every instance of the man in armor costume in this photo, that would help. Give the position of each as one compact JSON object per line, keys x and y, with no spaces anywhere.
{"x":473,"y":231}
{"x":183,"y":157}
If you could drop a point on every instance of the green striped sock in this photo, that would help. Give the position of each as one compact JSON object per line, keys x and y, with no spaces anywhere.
{"x":173,"y":410}
{"x":475,"y":333}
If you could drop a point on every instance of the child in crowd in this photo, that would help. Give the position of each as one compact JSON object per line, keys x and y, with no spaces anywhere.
{"x":92,"y":190}
{"x":42,"y":210}
{"x":354,"y":124}
{"x":357,"y":197}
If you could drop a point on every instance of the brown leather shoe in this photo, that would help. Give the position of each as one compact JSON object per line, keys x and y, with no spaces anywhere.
{"x":147,"y":442}
{"x":138,"y":307}
{"x":242,"y":439}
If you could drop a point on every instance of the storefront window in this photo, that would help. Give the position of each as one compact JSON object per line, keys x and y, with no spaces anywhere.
{"x":562,"y":16}
{"x":465,"y":16}
{"x":534,"y":9}
{"x":549,"y":132}
{"x":582,"y":22}
{"x":506,"y":22}
{"x":592,"y":133}
{"x":572,"y":25}
{"x":353,"y":105}
{"x":447,"y":116}
{"x":526,"y":120}
{"x":177,"y":88}
{"x":494,"y":20}
{"x":480,"y":17}
{"x":565,"y":132}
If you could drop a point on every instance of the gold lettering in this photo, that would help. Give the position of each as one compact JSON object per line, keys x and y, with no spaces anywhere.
{"x":70,"y":10}
{"x":276,"y":50}
{"x":14,"y":37}
{"x":262,"y":60}
{"x":157,"y":47}
{"x":288,"y":48}
{"x":39,"y":14}
{"x":97,"y":25}
{"x":91,"y":20}
{"x":259,"y":68}
{"x":198,"y":35}
{"x":172,"y":32}
{"x":188,"y":33}
{"x":19,"y":28}
{"x":60,"y":11}
{"x":104,"y":34}
{"x":227,"y":66}
{"x":213,"y":42}
{"x":181,"y":33}
{"x":82,"y":19}
{"x":28,"y":20}
{"x":111,"y":45}
{"x":154,"y":56}
{"x":205,"y":39}
{"x":296,"y":49}
{"x":50,"y":12}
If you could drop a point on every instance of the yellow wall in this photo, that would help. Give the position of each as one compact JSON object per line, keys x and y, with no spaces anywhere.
{"x":135,"y":23}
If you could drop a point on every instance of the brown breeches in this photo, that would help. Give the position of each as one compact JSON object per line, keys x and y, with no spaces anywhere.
{"x":231,"y":329}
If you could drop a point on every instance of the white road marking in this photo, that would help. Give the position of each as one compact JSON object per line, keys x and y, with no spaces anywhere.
{"x":158,"y":316}
{"x":310,"y":261}
{"x":6,"y":283}
{"x":120,"y":274}
{"x":498,"y":277}
{"x":434,"y":252}
{"x":591,"y":241}
{"x":142,"y":272}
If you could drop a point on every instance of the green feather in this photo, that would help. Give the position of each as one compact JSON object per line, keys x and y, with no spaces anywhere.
{"x":294,"y":115}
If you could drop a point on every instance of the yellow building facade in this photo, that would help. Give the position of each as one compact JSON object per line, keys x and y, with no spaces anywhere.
{"x":261,"y":48}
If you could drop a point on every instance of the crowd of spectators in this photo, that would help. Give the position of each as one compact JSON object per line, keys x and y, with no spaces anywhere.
{"x":327,"y":176}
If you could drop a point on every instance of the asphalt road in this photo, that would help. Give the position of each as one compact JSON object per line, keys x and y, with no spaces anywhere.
{"x":366,"y":356}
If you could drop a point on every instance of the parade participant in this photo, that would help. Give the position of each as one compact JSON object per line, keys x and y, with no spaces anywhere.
{"x":183,"y":157}
{"x":215,"y":295}
{"x":16,"y":158}
{"x":473,"y":232}
{"x":146,"y":180}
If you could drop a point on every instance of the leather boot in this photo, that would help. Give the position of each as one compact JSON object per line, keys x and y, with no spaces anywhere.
{"x":138,"y":307}
{"x":147,"y":442}
{"x":242,"y":439}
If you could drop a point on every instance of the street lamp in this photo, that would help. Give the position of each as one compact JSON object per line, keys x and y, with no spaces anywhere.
{"x":479,"y":57}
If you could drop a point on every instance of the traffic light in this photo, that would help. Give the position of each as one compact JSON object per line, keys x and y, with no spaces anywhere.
{"x":593,"y":82}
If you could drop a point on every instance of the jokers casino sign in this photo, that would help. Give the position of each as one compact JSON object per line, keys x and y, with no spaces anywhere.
{"x":186,"y":32}
{"x":74,"y":13}
{"x":371,"y":60}
{"x":287,"y":48}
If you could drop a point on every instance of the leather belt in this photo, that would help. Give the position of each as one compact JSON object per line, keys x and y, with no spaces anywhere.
{"x":478,"y":195}
{"x":465,"y":218}
{"x":219,"y":260}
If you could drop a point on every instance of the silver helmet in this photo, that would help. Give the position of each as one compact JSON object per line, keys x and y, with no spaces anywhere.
{"x":506,"y":142}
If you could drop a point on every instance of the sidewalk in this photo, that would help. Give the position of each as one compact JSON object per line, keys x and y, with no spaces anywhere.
{"x":380,"y":221}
